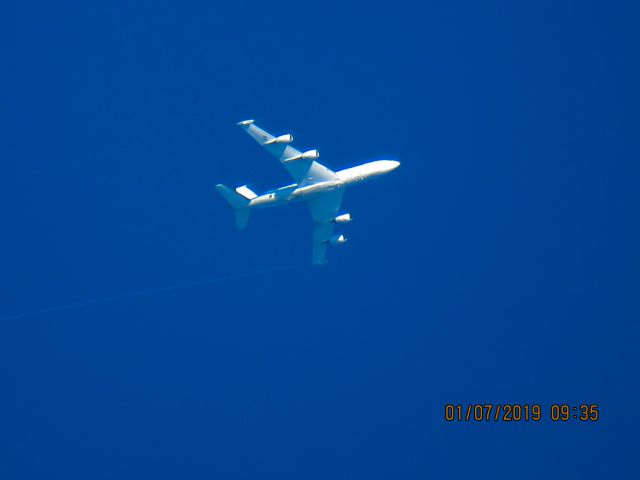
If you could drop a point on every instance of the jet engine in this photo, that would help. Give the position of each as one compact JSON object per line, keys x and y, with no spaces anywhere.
{"x":337,"y":240}
{"x":308,"y":155}
{"x":344,"y":218}
{"x":288,"y":138}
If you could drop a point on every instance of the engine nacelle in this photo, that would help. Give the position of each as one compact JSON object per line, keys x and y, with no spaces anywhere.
{"x":311,"y":155}
{"x":344,"y":218}
{"x":308,"y":155}
{"x":288,"y":138}
{"x":337,"y":240}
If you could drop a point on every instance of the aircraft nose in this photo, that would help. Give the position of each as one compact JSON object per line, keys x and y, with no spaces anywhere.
{"x":391,"y":165}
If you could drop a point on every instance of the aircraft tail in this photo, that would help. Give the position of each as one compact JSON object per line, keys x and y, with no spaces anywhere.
{"x":239,"y":200}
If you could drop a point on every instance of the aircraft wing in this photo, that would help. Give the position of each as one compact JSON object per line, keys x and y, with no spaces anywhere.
{"x":324,"y":209}
{"x":303,"y":171}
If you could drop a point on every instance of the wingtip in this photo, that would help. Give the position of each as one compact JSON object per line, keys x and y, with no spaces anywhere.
{"x":244,"y":123}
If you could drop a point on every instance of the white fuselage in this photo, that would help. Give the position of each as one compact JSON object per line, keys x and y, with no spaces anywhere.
{"x":294,"y":192}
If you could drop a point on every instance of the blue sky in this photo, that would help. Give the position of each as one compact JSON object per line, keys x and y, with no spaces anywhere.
{"x":498,"y":264}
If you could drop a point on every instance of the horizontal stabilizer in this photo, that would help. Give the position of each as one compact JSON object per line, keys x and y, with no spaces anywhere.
{"x":234,"y":198}
{"x":239,"y":202}
{"x":246,"y":192}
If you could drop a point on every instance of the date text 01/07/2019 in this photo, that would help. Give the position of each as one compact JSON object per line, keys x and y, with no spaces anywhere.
{"x":514,"y":412}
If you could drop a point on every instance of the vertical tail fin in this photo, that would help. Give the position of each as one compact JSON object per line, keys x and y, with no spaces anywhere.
{"x":239,"y":200}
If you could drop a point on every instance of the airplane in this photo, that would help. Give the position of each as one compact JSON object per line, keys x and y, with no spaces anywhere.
{"x":320,"y":187}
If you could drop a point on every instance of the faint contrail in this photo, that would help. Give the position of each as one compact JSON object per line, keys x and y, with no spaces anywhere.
{"x":141,"y":293}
